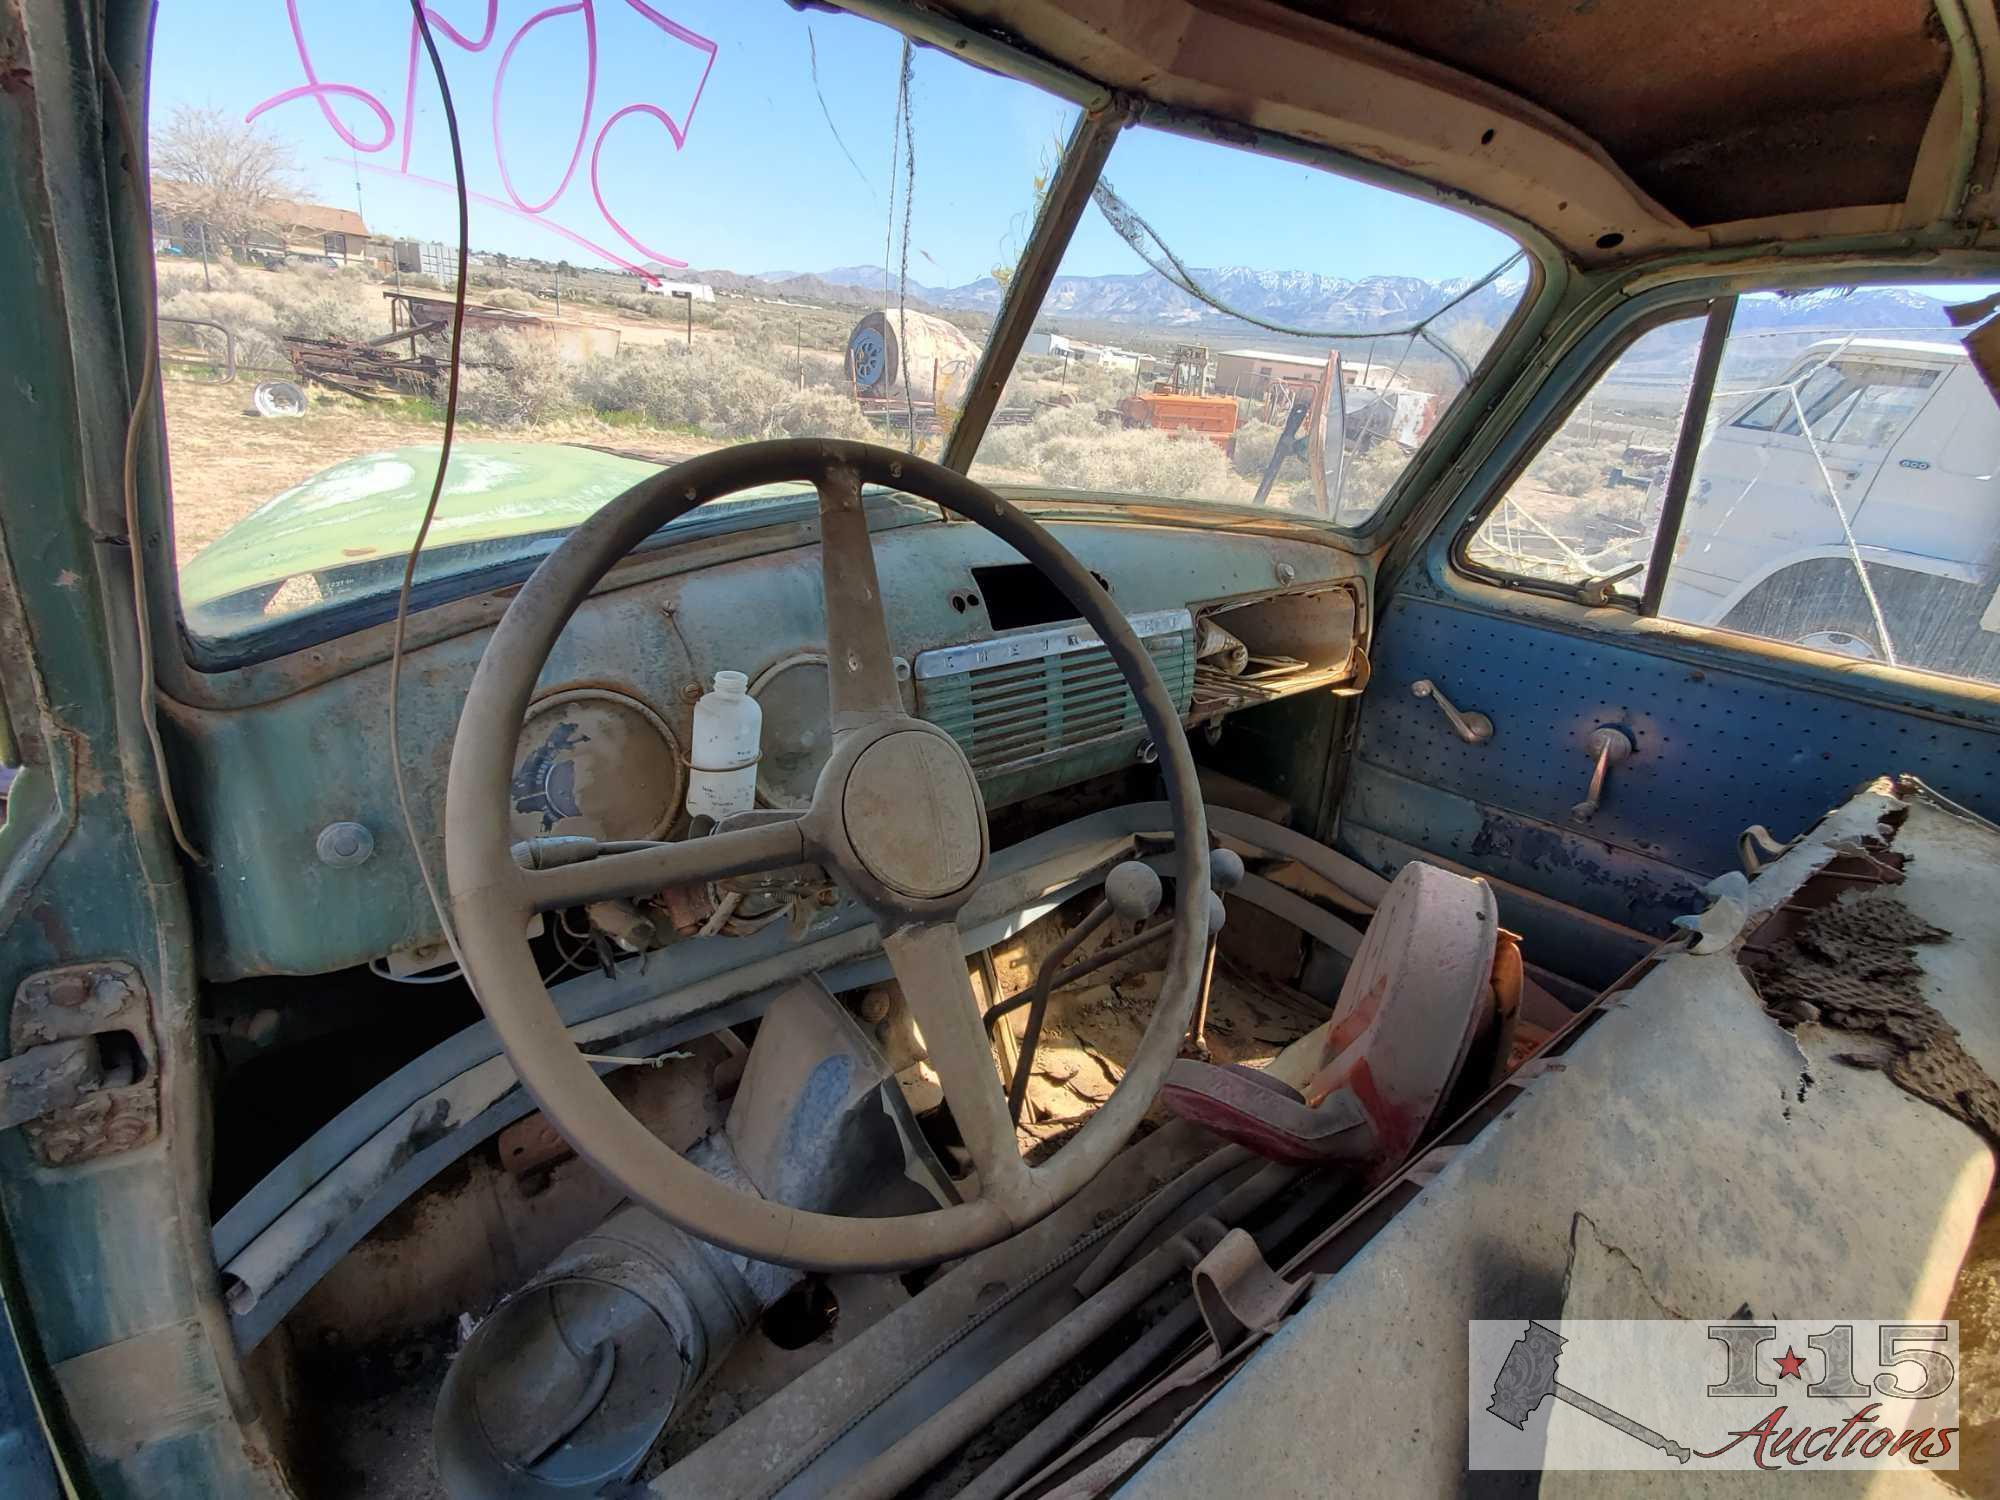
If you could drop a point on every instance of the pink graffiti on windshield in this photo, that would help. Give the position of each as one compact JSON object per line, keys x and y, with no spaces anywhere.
{"x":324,"y":94}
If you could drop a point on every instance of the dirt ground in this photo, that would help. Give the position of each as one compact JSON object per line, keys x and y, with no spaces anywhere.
{"x":1975,"y":1306}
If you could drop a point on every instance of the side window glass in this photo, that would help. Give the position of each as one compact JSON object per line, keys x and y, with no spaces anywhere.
{"x":1831,"y":506}
{"x":1587,"y":507}
{"x":1845,"y":494}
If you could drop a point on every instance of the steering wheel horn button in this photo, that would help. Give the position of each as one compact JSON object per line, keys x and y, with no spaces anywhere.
{"x":913,"y":815}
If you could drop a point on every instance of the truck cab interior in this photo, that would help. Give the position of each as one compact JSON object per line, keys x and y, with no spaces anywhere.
{"x":771,"y":828}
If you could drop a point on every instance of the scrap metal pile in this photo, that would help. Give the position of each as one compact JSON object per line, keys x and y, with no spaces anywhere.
{"x":369,"y":368}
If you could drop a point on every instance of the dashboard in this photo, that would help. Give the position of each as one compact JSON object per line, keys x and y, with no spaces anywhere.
{"x":986,"y":649}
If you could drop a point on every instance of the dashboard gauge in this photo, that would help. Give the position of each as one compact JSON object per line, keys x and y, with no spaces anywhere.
{"x":599,"y":763}
{"x":792,"y":691}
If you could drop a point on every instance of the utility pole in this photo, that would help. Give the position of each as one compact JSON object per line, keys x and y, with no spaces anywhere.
{"x":204,"y":257}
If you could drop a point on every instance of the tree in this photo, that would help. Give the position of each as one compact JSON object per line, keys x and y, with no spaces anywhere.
{"x":211,"y":170}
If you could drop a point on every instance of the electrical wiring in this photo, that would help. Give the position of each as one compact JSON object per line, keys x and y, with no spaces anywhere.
{"x":142,"y":395}
{"x":379,"y":967}
{"x":1146,"y":243}
{"x":424,"y":870}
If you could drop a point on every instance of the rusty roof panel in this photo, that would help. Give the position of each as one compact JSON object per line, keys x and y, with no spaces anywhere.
{"x":1719,"y":109}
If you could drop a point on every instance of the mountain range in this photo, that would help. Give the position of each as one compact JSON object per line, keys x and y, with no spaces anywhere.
{"x":1299,"y":298}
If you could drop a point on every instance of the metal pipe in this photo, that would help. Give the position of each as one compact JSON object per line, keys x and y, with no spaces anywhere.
{"x":935,"y":1440}
{"x":1082,"y":162}
{"x":1198,"y":1028}
{"x":1154,"y":1212}
{"x":1687,"y":449}
{"x":1083,"y":967}
{"x":1038,"y":1004}
{"x":1177,"y":1324}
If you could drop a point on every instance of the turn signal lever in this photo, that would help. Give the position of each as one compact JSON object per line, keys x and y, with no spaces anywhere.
{"x":1131,"y":891}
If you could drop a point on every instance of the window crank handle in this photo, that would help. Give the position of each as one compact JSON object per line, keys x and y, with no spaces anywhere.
{"x":1607,"y":747}
{"x":1473,"y":728}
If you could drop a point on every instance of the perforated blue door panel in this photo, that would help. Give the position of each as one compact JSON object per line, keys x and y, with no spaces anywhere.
{"x":1716,"y":750}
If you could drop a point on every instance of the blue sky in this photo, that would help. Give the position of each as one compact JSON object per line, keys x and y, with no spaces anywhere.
{"x":759,"y":182}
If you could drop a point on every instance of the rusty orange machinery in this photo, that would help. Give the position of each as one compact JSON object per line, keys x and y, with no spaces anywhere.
{"x":1214,"y":417}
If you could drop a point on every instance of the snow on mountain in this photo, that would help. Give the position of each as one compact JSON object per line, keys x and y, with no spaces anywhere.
{"x":1305,"y":299}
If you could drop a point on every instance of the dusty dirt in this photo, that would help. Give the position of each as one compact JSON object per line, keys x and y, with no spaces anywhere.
{"x":1093,"y":1027}
{"x":1975,"y":1305}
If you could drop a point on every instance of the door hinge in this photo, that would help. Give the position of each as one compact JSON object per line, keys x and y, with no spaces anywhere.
{"x":82,"y":1080}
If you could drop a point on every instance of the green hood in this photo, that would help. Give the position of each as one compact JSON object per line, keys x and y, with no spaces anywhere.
{"x":369,"y":508}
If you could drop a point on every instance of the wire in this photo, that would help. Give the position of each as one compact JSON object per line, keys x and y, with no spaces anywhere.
{"x":142,"y":395}
{"x":379,"y":967}
{"x":1136,"y":232}
{"x":903,"y":276}
{"x":812,"y":57}
{"x":437,"y":492}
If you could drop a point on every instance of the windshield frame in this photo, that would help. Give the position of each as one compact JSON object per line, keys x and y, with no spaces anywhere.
{"x":199,"y":670}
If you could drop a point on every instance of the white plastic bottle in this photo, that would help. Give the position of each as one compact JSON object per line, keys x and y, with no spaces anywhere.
{"x":728,"y":724}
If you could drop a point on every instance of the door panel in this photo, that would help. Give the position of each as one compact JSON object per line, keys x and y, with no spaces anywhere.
{"x":1715,"y":751}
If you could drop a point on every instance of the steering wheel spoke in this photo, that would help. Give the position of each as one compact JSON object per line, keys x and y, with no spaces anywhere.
{"x":640,"y":872}
{"x":898,"y":818}
{"x":861,"y":669}
{"x":929,"y":963}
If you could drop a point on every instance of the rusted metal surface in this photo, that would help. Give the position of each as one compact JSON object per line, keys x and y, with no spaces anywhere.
{"x":367,"y":370}
{"x":1718,"y":110}
{"x":43,"y":1079}
{"x":1687,"y":1078}
{"x":75,"y":1004}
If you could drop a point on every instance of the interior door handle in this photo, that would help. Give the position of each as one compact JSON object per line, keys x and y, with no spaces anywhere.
{"x":1473,"y":728}
{"x":1607,"y":748}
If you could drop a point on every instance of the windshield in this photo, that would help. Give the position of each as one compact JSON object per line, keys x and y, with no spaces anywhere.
{"x":1243,"y":330}
{"x":690,"y":227}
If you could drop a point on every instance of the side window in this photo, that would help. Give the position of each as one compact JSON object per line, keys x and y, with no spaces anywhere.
{"x":1587,"y":507}
{"x":1843,"y":496}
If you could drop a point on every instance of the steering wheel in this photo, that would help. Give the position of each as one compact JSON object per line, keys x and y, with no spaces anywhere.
{"x":897,"y":819}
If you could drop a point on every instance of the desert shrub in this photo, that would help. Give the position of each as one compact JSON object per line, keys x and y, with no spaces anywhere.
{"x":1567,"y":474}
{"x":1255,"y":443}
{"x":1369,"y":476}
{"x":251,"y":318}
{"x":329,"y":312}
{"x":701,"y":388}
{"x":172,"y":282}
{"x":723,"y":392}
{"x":517,"y":301}
{"x":419,"y":281}
{"x":823,"y":413}
{"x":1070,"y":448}
{"x":513,"y":381}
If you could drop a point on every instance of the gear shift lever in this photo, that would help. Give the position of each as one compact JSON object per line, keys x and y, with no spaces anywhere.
{"x":1132,"y":892}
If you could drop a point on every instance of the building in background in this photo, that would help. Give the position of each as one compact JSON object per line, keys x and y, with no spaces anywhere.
{"x":694,"y":291}
{"x":1249,"y":372}
{"x":427,"y":258}
{"x":1078,"y":351}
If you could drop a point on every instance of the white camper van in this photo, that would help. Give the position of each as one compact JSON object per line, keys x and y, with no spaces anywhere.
{"x":1906,"y":437}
